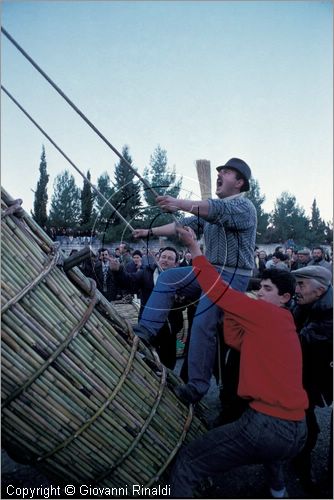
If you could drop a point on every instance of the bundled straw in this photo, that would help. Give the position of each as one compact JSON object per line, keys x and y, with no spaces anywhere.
{"x":81,"y":396}
{"x":203,"y":169}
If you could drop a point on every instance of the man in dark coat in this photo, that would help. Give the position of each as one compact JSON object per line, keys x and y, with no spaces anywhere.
{"x":313,"y":315}
{"x":103,"y":275}
{"x":143,"y":281}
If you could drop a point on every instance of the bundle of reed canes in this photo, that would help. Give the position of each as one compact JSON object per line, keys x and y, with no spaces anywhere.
{"x":82,"y":398}
{"x":203,"y":169}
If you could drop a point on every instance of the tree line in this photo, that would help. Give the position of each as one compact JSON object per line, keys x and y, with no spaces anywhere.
{"x":84,"y":210}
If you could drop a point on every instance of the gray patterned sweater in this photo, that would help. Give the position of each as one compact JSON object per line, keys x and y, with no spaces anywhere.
{"x":229,"y":233}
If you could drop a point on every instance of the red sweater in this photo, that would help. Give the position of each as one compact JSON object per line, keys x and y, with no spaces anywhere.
{"x":270,"y":373}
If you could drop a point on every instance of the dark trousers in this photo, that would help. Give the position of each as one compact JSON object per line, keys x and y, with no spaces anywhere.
{"x":254,"y":438}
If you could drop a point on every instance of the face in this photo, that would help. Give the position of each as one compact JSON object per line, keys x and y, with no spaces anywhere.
{"x":188,"y":256}
{"x":303,"y":258}
{"x":227,"y":183}
{"x":307,"y":291}
{"x":275,"y":259}
{"x":104,"y":256}
{"x":289,"y":252}
{"x":317,"y":254}
{"x":137,"y":260}
{"x":262,"y":254}
{"x":167,"y":260}
{"x":122,"y":249}
{"x":269,"y":293}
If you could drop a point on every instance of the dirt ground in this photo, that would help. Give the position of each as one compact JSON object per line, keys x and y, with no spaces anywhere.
{"x":243,"y":482}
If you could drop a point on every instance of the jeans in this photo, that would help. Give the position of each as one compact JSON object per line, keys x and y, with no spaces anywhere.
{"x":202,"y":349}
{"x":255,"y":438}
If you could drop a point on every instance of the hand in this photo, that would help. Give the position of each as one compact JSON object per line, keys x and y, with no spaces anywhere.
{"x":188,"y":238}
{"x":167,"y":203}
{"x":114,"y":264}
{"x":140,"y":233}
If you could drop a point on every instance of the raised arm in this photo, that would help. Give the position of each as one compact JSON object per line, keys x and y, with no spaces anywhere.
{"x":166,"y":230}
{"x":170,"y":204}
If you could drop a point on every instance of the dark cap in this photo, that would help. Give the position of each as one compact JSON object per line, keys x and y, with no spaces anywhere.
{"x":318,"y":273}
{"x":241,"y":167}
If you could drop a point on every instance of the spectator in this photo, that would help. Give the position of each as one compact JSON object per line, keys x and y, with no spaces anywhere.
{"x":277,"y":262}
{"x":147,"y":258}
{"x":318,"y":259}
{"x":304,"y":257}
{"x":103,"y":275}
{"x":313,"y":315}
{"x":294,"y":261}
{"x":137,"y":259}
{"x":288,"y":257}
{"x":143,"y":282}
{"x":186,"y":261}
{"x":125,"y":256}
{"x":262,"y":262}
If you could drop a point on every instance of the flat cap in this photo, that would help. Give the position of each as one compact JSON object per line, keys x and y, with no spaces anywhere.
{"x":304,"y":251}
{"x":318,"y":273}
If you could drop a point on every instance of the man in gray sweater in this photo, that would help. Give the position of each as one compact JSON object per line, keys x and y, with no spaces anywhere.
{"x":229,"y":228}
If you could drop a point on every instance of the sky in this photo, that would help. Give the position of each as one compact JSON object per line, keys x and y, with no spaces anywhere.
{"x":204,"y":80}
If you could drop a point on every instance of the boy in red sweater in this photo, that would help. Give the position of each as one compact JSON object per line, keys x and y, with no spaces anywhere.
{"x":273,"y":429}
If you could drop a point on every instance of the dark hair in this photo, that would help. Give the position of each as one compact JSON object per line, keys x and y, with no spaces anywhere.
{"x":284,"y":280}
{"x":137,"y":252}
{"x":100,"y":250}
{"x":171,"y":249}
{"x":253,"y":284}
{"x":279,"y":255}
{"x":319,"y":248}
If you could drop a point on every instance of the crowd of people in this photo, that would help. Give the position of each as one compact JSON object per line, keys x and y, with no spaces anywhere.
{"x":276,"y":341}
{"x":68,"y":236}
{"x":291,"y":259}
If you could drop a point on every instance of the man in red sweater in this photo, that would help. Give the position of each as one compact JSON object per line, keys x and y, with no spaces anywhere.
{"x":273,"y":429}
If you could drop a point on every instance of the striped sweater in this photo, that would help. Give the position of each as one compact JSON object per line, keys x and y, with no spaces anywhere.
{"x":229,"y":233}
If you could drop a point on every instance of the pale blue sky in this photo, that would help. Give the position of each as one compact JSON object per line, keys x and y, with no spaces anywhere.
{"x":202,"y":79}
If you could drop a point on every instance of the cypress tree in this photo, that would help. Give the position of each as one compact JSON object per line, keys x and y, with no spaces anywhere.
{"x":87,"y":199}
{"x":41,"y":196}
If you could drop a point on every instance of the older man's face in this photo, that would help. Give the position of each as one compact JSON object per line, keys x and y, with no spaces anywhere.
{"x":308,"y":291}
{"x":303,"y":258}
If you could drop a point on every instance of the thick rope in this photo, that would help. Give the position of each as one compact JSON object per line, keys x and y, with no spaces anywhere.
{"x":80,"y":113}
{"x":73,"y":164}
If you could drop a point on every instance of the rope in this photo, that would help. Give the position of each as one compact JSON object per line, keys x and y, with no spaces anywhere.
{"x":73,"y":164}
{"x":48,"y":268}
{"x":176,"y":449}
{"x":80,"y":113}
{"x":65,"y":156}
{"x":134,"y":443}
{"x":101,"y":409}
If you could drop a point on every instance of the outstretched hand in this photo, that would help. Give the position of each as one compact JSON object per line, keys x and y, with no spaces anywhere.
{"x":188,"y":238}
{"x":167,"y":203}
